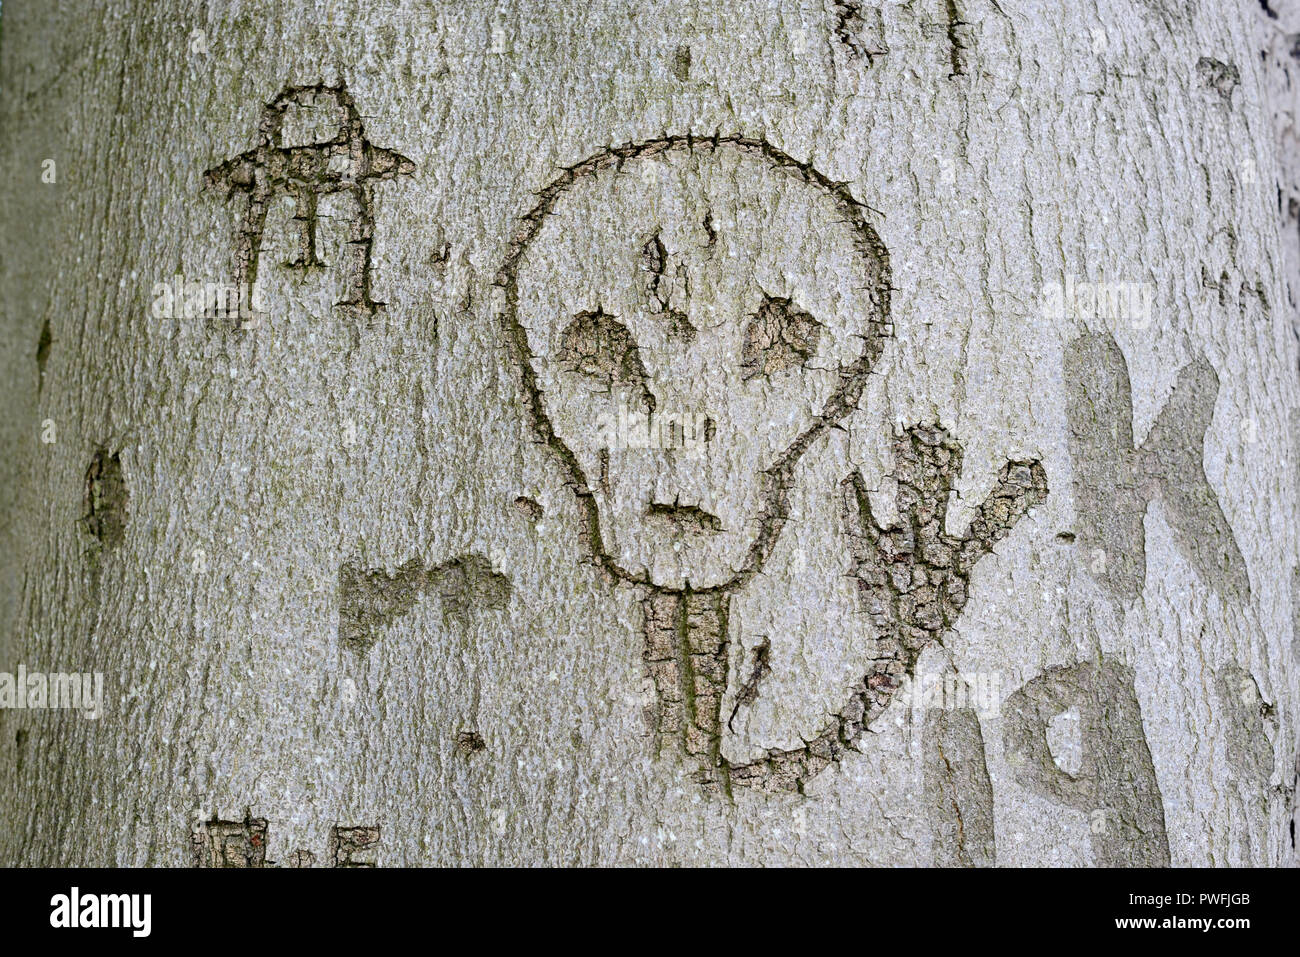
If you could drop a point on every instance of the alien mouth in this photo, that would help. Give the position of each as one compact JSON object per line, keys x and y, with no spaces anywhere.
{"x":687,"y":518}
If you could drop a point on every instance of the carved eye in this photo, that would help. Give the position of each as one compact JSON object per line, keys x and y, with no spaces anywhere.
{"x":596,"y":345}
{"x":779,"y":336}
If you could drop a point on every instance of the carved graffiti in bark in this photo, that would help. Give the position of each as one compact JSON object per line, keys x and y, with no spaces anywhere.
{"x":310,"y":143}
{"x":764,"y":311}
{"x":1114,"y":482}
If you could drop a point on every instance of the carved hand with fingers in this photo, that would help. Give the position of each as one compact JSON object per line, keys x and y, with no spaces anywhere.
{"x":912,"y":580}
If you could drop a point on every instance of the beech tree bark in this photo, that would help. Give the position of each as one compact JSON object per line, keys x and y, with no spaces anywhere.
{"x":689,"y":433}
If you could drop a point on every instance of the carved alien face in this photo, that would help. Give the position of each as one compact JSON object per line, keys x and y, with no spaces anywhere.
{"x":690,"y":316}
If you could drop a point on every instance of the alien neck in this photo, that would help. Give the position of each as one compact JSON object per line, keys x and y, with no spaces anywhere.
{"x":685,"y":654}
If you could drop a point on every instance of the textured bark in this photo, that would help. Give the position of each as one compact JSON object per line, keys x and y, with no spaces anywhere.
{"x":945,"y":563}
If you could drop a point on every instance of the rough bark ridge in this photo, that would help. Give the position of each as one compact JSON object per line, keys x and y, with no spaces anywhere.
{"x":678,"y":433}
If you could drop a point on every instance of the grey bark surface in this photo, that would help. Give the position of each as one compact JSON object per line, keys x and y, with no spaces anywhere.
{"x":364,"y":588}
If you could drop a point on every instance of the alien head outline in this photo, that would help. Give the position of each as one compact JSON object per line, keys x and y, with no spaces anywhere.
{"x":686,"y":243}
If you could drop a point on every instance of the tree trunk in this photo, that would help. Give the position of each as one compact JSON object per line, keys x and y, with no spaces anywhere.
{"x":500,"y":433}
